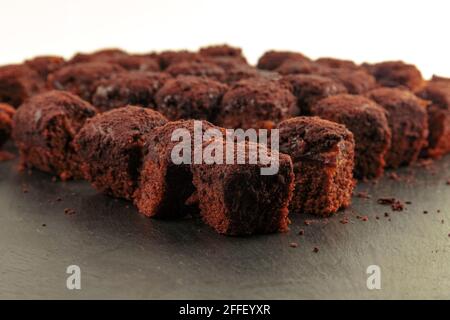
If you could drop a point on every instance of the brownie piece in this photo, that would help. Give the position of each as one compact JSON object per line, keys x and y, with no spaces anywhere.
{"x":298,"y":67}
{"x":228,"y":63}
{"x":128,"y":88}
{"x":223,"y":50}
{"x":407,"y":117}
{"x":369,"y":125}
{"x":309,"y":88}
{"x":356,"y":81}
{"x":271,"y":60}
{"x":188,"y":97}
{"x":111,"y":146}
{"x":337,"y":63}
{"x":396,"y":74}
{"x":168,"y":57}
{"x":237,"y":200}
{"x":323,"y":156}
{"x":6,"y":115}
{"x":17,"y":83}
{"x":257,"y":103}
{"x":165,"y":187}
{"x":98,"y":55}
{"x":197,"y":68}
{"x":43,"y":129}
{"x":438,"y":93}
{"x":44,"y":65}
{"x":80,"y":78}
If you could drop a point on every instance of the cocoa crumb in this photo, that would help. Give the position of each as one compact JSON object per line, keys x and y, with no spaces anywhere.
{"x":301,"y":232}
{"x":386,"y":214}
{"x":344,"y":220}
{"x":307,"y":222}
{"x":408,"y":202}
{"x":69,"y":211}
{"x":425,"y":212}
{"x":24,"y":188}
{"x":396,"y":205}
{"x":442,"y":221}
{"x":316,"y":249}
{"x":377,"y":217}
{"x":363,"y":195}
{"x":44,"y":225}
{"x":365,"y":218}
{"x":293,"y":244}
{"x":448,"y":182}
{"x":394,"y":176}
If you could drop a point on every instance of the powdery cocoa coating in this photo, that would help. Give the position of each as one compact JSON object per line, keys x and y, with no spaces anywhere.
{"x":308,"y":89}
{"x":369,"y":125}
{"x":256,"y":103}
{"x":396,"y":74}
{"x":323,"y":156}
{"x":80,"y":78}
{"x":17,"y":83}
{"x":298,"y":67}
{"x":408,"y":120}
{"x":111,"y":147}
{"x":438,"y":93}
{"x":188,"y":97}
{"x":197,"y":68}
{"x":337,"y":63}
{"x":128,"y":88}
{"x":98,"y":55}
{"x":167,"y":58}
{"x":271,"y":60}
{"x":44,"y":65}
{"x":235,"y":199}
{"x":356,"y":81}
{"x":165,"y":187}
{"x":44,"y":128}
{"x":6,"y":115}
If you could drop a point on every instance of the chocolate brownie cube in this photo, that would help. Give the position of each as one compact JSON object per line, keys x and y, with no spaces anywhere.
{"x":188,"y":97}
{"x":6,"y":115}
{"x":272,"y":59}
{"x":437,"y":92}
{"x":408,"y":120}
{"x":165,"y":186}
{"x":257,"y":103}
{"x":236,"y":199}
{"x":369,"y":125}
{"x":337,"y":63}
{"x":128,"y":88}
{"x":356,"y":81}
{"x":223,"y":50}
{"x":99,"y":55}
{"x":197,"y":68}
{"x":43,"y":130}
{"x":80,"y":78}
{"x":169,"y":57}
{"x":323,"y":156}
{"x":396,"y":74}
{"x":111,"y":147}
{"x":310,"y":88}
{"x":44,"y":65}
{"x":18,"y":82}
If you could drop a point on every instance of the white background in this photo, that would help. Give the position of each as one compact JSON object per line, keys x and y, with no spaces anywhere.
{"x":415,"y":31}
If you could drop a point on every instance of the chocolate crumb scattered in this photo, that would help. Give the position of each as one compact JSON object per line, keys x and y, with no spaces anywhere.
{"x":293,"y":244}
{"x":408,"y":202}
{"x":448,"y":182}
{"x":315,"y":250}
{"x":365,"y":218}
{"x":24,"y":188}
{"x":363,"y":195}
{"x":394,"y":176}
{"x":386,"y":214}
{"x":377,"y":217}
{"x":301,"y":232}
{"x":396,"y":205}
{"x":307,"y":222}
{"x":69,"y":211}
{"x":425,"y":212}
{"x":44,"y":225}
{"x":344,"y":220}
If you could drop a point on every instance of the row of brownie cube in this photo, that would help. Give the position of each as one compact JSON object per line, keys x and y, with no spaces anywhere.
{"x":125,"y":152}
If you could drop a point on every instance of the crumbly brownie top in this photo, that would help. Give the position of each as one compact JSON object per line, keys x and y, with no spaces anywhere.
{"x":438,"y":92}
{"x":197,"y":68}
{"x":272,"y":59}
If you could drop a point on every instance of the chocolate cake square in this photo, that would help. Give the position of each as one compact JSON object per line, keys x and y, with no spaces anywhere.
{"x":43,"y":130}
{"x":322,"y":153}
{"x":408,"y":120}
{"x":111,"y":147}
{"x":237,"y":200}
{"x":256,"y":103}
{"x":18,"y":82}
{"x":369,"y":125}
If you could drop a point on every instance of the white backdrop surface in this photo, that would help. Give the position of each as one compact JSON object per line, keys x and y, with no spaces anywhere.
{"x":414,"y":31}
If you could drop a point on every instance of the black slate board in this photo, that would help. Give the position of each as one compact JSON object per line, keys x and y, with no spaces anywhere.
{"x":125,"y":255}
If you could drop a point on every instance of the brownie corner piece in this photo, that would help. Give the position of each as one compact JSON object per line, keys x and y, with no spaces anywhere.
{"x":369,"y":125}
{"x":43,"y":130}
{"x":238,"y":200}
{"x":322,"y":153}
{"x":111,"y":147}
